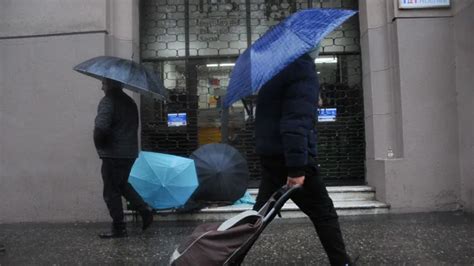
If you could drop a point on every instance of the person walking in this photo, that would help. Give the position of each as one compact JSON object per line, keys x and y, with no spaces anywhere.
{"x":116,"y":141}
{"x":286,"y":143}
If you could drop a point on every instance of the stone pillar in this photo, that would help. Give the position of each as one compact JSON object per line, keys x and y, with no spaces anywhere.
{"x":124,"y":33}
{"x":410,"y":99}
{"x":464,"y":43}
{"x":379,"y":99}
{"x":123,"y":28}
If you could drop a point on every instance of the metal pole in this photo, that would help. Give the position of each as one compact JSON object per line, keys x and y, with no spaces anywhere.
{"x":225,"y":125}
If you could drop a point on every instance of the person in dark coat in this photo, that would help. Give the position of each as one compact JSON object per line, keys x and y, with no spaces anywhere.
{"x":116,"y":141}
{"x":286,"y":142}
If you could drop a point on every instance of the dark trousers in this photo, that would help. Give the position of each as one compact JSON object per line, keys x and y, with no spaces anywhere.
{"x":313,"y":200}
{"x":115,"y":174}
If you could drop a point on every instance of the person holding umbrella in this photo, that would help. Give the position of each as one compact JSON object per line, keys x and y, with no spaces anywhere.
{"x":286,"y":142}
{"x":116,"y":141}
{"x":280,"y":67}
{"x":115,"y":132}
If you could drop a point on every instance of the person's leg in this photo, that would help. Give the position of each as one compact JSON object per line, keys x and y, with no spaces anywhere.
{"x":2,"y":248}
{"x":130,"y":194}
{"x":112,"y":197}
{"x":315,"y":202}
{"x":273,"y":178}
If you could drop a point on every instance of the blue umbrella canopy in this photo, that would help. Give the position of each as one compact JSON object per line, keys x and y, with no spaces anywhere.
{"x":132,"y":75}
{"x":164,"y":181}
{"x":278,"y":47}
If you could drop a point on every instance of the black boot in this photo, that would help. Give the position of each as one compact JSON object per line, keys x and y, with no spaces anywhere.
{"x":2,"y":248}
{"x":118,"y":231}
{"x":147,"y":217}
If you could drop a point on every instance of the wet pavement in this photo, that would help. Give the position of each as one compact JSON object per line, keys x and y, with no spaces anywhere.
{"x":386,"y":239}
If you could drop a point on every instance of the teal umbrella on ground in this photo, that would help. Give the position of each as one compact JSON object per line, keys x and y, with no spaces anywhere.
{"x":164,"y":181}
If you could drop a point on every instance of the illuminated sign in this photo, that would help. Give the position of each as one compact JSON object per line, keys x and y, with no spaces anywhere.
{"x":327,"y":114}
{"x":177,"y":119}
{"x":420,"y":4}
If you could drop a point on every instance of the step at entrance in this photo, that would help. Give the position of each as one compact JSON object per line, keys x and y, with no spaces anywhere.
{"x":348,"y":200}
{"x":342,"y":193}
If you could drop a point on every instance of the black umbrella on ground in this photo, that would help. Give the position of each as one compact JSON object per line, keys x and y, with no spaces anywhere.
{"x":222,"y":173}
{"x":132,"y":75}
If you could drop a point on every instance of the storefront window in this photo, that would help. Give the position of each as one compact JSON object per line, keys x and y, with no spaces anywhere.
{"x":194,"y":44}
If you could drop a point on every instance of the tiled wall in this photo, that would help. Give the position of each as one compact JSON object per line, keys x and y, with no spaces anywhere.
{"x":217,"y":28}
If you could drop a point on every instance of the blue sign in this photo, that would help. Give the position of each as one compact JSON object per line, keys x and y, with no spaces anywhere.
{"x":177,"y":119}
{"x":327,"y":114}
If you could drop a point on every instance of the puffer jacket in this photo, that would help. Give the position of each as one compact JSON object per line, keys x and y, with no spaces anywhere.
{"x":286,"y":115}
{"x":116,"y":126}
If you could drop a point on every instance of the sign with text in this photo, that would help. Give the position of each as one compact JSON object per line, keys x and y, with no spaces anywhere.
{"x":420,"y":4}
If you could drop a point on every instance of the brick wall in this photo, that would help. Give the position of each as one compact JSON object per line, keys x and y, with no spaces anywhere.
{"x":216,"y":28}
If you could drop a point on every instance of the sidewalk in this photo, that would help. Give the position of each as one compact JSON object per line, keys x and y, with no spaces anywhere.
{"x":426,"y":239}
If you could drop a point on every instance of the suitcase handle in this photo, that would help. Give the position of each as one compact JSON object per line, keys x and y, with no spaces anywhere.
{"x":268,"y":212}
{"x":276,"y":202}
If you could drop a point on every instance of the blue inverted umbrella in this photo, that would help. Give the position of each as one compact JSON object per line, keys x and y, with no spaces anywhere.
{"x":280,"y":46}
{"x":132,"y":75}
{"x":164,"y":181}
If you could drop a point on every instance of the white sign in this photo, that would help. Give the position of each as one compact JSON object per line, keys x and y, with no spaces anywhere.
{"x":413,"y":4}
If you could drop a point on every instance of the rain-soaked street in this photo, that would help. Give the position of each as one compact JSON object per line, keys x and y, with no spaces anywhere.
{"x":426,"y":239}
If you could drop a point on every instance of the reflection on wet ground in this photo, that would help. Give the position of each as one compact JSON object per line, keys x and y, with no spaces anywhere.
{"x":427,"y":238}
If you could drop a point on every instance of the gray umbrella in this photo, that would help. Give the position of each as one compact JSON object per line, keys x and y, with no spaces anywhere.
{"x":222,"y":173}
{"x":132,"y":75}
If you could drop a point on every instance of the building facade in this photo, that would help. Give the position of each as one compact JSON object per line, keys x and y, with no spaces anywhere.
{"x":399,"y":79}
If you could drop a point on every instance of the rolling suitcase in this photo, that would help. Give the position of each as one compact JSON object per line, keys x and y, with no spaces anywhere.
{"x":228,"y":243}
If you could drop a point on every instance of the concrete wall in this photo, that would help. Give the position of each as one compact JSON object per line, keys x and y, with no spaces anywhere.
{"x":48,"y":165}
{"x":30,"y":17}
{"x":412,"y":75}
{"x":49,"y":169}
{"x":380,"y":99}
{"x":427,"y":176}
{"x":464,"y":54}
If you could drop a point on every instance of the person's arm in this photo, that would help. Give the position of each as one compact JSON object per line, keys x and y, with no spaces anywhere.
{"x":103,"y":122}
{"x":296,"y":122}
